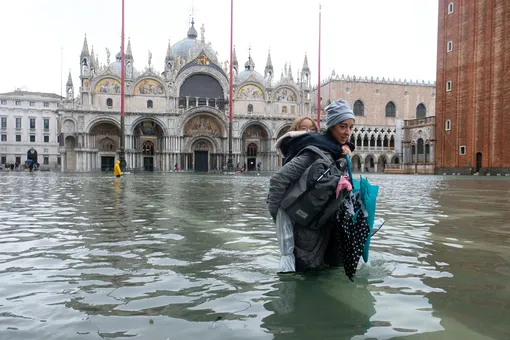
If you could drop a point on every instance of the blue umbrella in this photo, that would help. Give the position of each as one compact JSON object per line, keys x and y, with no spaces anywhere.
{"x":29,"y":161}
{"x":368,"y":195}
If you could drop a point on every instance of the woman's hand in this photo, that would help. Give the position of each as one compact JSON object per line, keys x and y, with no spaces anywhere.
{"x":346,"y":150}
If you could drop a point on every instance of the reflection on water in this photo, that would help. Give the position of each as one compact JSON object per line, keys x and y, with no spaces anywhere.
{"x":185,"y":256}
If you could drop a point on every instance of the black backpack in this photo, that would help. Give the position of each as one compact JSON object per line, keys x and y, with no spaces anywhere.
{"x":311,"y":201}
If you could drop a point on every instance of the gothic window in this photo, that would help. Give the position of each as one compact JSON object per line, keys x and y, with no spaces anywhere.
{"x":359,"y":141}
{"x":109,"y":102}
{"x":250,"y":108}
{"x":391,"y":110}
{"x":420,"y":146}
{"x":379,"y":141}
{"x":385,"y":141}
{"x":359,"y":108}
{"x":149,"y":104}
{"x":421,"y":111}
{"x":252,"y":150}
{"x":107,"y":144}
{"x":372,"y":141}
{"x":392,"y":142}
{"x":148,"y":148}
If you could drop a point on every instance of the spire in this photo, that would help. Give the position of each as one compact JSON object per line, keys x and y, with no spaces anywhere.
{"x":306,"y":68}
{"x":289,"y":74}
{"x":69,"y":80}
{"x":85,"y":49}
{"x":92,"y":58}
{"x":269,"y":70}
{"x":192,"y":32}
{"x":129,"y":51}
{"x":249,"y":65}
{"x":169,"y":55}
{"x":235,"y":64}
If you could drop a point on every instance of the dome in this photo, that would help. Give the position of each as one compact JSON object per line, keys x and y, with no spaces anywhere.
{"x":191,"y":44}
{"x":182,"y":47}
{"x":250,"y":74}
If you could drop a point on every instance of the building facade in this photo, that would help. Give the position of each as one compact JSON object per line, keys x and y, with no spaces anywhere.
{"x":472,"y":106}
{"x":392,"y":131}
{"x":29,"y":128}
{"x":179,"y":116}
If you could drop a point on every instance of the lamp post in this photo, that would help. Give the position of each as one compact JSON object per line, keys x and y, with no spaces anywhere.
{"x":122,"y":153}
{"x":230,"y":163}
{"x":319,"y":76}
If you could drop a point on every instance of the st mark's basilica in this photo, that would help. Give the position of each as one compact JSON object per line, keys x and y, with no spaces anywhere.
{"x":179,"y":116}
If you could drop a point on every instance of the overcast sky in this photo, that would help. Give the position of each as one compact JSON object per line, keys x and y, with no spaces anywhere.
{"x":379,"y":38}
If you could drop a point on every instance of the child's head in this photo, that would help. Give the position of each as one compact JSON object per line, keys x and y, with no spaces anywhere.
{"x":304,"y":123}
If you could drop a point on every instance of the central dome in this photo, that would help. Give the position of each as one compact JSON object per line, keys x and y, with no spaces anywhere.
{"x":190,"y":44}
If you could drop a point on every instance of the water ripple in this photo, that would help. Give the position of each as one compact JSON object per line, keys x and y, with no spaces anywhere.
{"x":157,"y":256}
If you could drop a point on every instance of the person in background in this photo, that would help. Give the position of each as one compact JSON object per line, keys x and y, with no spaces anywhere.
{"x":116,"y":169}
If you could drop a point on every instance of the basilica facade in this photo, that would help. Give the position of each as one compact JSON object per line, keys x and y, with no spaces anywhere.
{"x":180,"y":116}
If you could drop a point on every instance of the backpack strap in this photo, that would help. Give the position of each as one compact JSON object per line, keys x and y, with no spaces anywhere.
{"x":317,"y":151}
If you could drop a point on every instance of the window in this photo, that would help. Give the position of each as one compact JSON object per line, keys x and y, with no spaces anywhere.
{"x":46,"y":160}
{"x":462,"y":150}
{"x":4,"y":138}
{"x":448,"y":85}
{"x":18,"y":102}
{"x":18,"y":160}
{"x":59,"y":161}
{"x":421,"y":111}
{"x":18,"y":138}
{"x":420,"y":146}
{"x":450,"y":8}
{"x":359,"y":108}
{"x":4,"y":160}
{"x":447,"y":125}
{"x":149,"y":104}
{"x":46,"y":139}
{"x":46,"y":104}
{"x":4,"y":122}
{"x":18,"y":123}
{"x":109,"y":102}
{"x":449,"y":46}
{"x":250,"y":108}
{"x":391,"y":110}
{"x":46,"y":123}
{"x":32,"y":123}
{"x":4,"y":102}
{"x":32,"y":138}
{"x":32,"y":103}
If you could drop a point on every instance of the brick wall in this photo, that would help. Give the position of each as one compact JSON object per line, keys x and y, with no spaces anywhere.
{"x":478,"y":105}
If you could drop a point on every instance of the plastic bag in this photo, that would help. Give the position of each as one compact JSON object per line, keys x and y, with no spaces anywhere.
{"x":285,"y":235}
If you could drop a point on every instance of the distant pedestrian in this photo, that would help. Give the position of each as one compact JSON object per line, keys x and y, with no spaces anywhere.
{"x":116,"y":169}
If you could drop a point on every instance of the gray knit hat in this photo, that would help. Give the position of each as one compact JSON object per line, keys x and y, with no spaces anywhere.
{"x":337,"y":112}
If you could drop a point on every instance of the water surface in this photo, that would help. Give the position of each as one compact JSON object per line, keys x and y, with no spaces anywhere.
{"x":189,"y":256}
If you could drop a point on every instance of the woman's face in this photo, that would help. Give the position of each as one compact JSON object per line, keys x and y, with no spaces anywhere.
{"x":342,"y":132}
{"x":307,"y":125}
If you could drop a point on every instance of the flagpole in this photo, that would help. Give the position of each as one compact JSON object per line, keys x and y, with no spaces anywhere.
{"x":230,"y":164}
{"x":319,"y":76}
{"x":122,"y":154}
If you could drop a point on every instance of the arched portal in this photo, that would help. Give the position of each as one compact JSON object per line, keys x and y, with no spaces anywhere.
{"x":356,"y":163}
{"x":369,"y":163}
{"x":381,"y":163}
{"x":105,"y":137}
{"x":148,"y":140}
{"x":201,"y":153}
{"x":256,"y":143}
{"x":70,"y":155}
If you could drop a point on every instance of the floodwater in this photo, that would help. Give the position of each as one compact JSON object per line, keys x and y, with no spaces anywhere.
{"x":189,"y":256}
